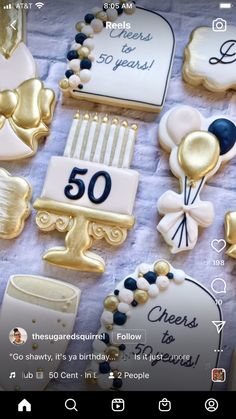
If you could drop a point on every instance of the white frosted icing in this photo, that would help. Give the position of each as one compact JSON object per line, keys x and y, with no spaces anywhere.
{"x":11,"y":147}
{"x":151,"y":46}
{"x":123,"y":190}
{"x":208,"y":51}
{"x":16,"y":69}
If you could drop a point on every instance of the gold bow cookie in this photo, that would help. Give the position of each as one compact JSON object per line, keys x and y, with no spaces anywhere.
{"x":29,"y":109}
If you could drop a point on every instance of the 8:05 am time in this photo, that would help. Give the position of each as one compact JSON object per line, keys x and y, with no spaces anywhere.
{"x":118,"y":6}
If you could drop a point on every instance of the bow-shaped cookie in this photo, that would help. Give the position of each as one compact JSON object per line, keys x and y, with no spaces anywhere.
{"x":28,"y":109}
{"x":186,"y":216}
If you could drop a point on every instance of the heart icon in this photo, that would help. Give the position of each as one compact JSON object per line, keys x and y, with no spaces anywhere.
{"x":218,"y":245}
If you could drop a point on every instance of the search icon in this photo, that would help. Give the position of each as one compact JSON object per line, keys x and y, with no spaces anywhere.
{"x":70,"y":404}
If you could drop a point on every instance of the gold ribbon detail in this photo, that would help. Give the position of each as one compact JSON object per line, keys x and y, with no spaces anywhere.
{"x":28,"y":109}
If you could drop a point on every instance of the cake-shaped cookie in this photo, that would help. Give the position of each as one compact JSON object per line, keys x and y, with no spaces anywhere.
{"x":89,"y":193}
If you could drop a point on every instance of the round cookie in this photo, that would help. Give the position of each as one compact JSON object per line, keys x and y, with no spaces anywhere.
{"x":161,"y":333}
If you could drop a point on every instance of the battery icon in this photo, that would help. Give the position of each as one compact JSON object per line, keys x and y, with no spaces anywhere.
{"x":225,"y":5}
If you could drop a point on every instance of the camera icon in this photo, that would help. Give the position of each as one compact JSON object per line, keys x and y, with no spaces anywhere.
{"x":219,"y":25}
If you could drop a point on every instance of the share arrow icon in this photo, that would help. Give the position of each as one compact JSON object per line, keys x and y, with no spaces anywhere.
{"x":219,"y":325}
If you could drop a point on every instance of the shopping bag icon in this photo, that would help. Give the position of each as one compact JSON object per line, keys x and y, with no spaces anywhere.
{"x":164,"y":405}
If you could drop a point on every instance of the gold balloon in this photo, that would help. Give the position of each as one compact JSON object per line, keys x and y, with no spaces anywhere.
{"x":111,"y":303}
{"x":90,"y":377}
{"x":79,"y":25}
{"x":102,"y":16}
{"x":109,"y":327}
{"x":198,"y":154}
{"x":83,"y":51}
{"x":230,"y":233}
{"x":141,"y":296}
{"x":64,"y":84}
{"x":162,"y":267}
{"x":112,"y":352}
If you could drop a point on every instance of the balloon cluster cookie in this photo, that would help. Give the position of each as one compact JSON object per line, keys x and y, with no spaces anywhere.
{"x":198,"y":146}
{"x":116,"y":65}
{"x":26,"y":106}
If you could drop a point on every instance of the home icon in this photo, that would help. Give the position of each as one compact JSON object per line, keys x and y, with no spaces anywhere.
{"x":24,"y":406}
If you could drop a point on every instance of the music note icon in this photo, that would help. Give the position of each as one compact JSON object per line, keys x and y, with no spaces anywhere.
{"x":12,"y":374}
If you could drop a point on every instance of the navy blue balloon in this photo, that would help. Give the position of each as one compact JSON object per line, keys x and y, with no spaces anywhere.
{"x":225,"y":131}
{"x":150,"y":277}
{"x":80,"y":38}
{"x":130,"y":284}
{"x":106,"y":338}
{"x":69,"y":73}
{"x":104,"y":367}
{"x":117,"y":383}
{"x":119,"y":318}
{"x":72,"y":55}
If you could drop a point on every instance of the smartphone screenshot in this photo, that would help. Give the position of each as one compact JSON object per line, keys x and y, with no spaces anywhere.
{"x":117,"y":208}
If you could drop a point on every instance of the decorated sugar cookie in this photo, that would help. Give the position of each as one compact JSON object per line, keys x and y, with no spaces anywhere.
{"x":34,"y":305}
{"x":210,"y":57}
{"x":89,"y":193}
{"x":230,"y":233}
{"x":26,"y":107}
{"x":120,"y":65}
{"x":15,"y":194}
{"x":198,"y":146}
{"x":155,"y":322}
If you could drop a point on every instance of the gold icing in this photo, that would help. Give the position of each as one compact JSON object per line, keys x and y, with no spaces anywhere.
{"x":141,"y":296}
{"x":111,"y":303}
{"x":230,"y":233}
{"x":162,"y":267}
{"x":10,"y":38}
{"x":15,"y":194}
{"x":112,"y":352}
{"x":82,"y":225}
{"x":79,"y":25}
{"x":64,"y":84}
{"x":28,"y":109}
{"x":198,"y":154}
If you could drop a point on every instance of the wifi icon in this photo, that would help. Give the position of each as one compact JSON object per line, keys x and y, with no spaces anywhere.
{"x":39,"y":5}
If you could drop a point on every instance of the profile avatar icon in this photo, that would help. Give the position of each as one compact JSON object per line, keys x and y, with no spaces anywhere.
{"x":18,"y":336}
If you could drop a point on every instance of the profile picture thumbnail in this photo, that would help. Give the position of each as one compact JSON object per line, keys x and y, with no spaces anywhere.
{"x":18,"y":336}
